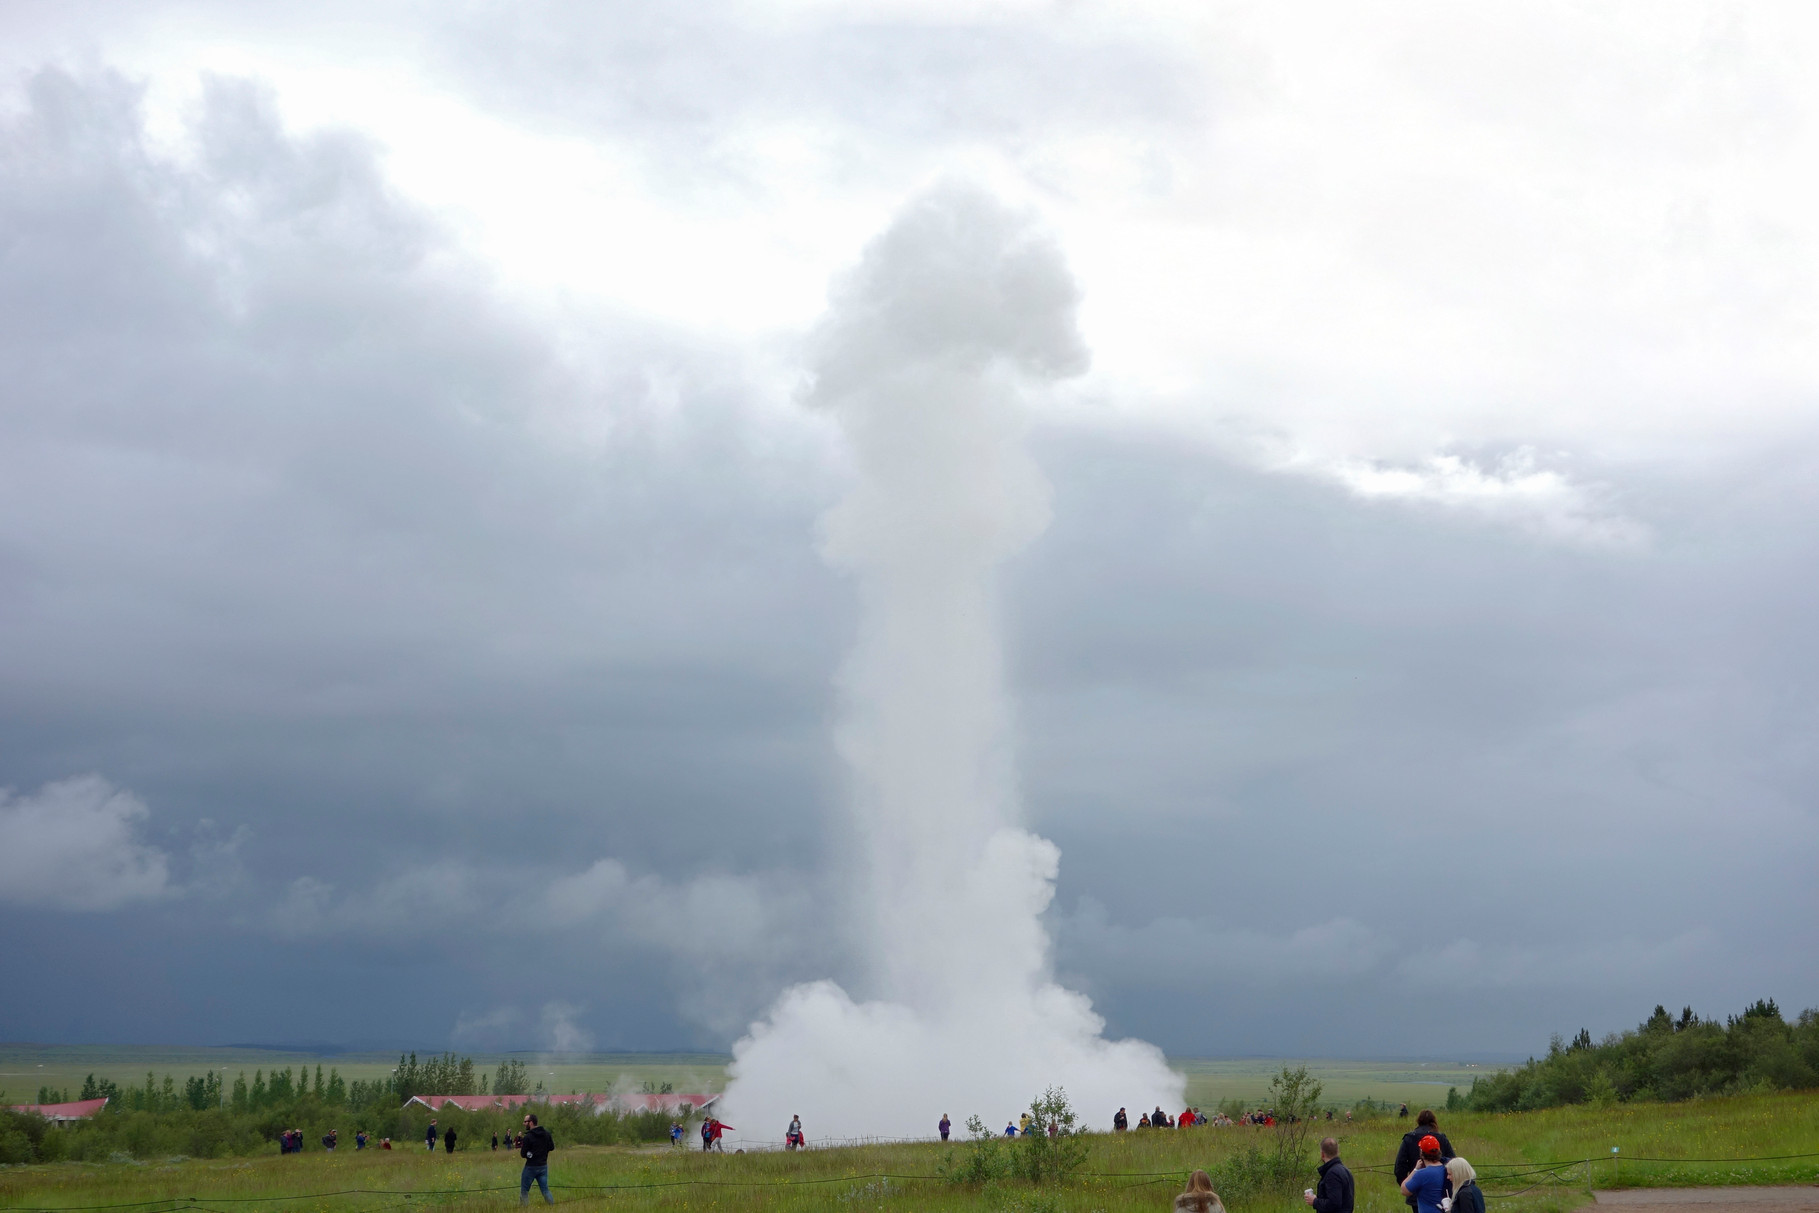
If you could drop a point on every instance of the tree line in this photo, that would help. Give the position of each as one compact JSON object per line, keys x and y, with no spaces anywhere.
{"x":1666,"y":1057}
{"x":200,"y":1119}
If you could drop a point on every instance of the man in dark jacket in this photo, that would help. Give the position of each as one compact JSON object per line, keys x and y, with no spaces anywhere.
{"x":1335,"y":1194}
{"x":535,"y":1147}
{"x":1409,"y":1153}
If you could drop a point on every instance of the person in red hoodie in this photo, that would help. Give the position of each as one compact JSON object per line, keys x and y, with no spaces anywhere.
{"x":1186,"y":1119}
{"x":715,"y":1129}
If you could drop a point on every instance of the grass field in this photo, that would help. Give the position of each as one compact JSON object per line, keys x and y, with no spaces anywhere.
{"x":1130,"y":1172}
{"x":24,"y":1068}
{"x":1416,"y":1083}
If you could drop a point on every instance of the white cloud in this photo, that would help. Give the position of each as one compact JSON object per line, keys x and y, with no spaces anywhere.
{"x":560,"y":1032}
{"x":75,"y":845}
{"x":1513,"y":488}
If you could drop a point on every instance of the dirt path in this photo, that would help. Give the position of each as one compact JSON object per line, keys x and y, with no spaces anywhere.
{"x":1803,"y":1199}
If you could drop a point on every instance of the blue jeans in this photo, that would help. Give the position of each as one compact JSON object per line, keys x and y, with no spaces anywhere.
{"x":541,"y":1175}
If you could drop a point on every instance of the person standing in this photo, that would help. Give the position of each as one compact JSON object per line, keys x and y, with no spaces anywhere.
{"x":1408,"y":1154}
{"x":1337,"y":1191}
{"x":448,"y":1140}
{"x":535,"y":1152}
{"x":1425,"y":1186}
{"x":945,"y":1127}
{"x":429,"y":1137}
{"x":495,"y":1139}
{"x":1120,"y":1122}
{"x":1467,"y":1196}
{"x":675,"y":1133}
{"x":360,"y":1140}
{"x":707,"y":1133}
{"x":1199,"y":1196}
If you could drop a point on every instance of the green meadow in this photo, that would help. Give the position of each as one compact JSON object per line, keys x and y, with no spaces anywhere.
{"x":1531,"y":1162}
{"x":26,"y":1068}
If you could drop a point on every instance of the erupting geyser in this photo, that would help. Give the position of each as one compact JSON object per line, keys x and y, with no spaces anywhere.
{"x":921,"y":359}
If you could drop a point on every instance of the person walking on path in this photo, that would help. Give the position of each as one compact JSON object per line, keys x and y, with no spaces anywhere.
{"x":537,"y":1143}
{"x":1336,"y":1189}
{"x":1467,"y":1196}
{"x":1409,"y":1152}
{"x":1199,"y":1196}
{"x":946,"y":1126}
{"x":1425,"y":1186}
{"x":429,"y":1137}
{"x":675,"y":1133}
{"x":448,"y":1140}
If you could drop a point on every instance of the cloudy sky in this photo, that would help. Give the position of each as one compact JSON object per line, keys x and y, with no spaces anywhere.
{"x":412,"y":626}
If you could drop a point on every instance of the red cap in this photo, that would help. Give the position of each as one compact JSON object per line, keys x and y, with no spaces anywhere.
{"x":1430,"y":1142}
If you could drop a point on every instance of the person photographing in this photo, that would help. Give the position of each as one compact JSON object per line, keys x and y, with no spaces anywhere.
{"x":1426,"y":1185}
{"x":1408,"y":1154}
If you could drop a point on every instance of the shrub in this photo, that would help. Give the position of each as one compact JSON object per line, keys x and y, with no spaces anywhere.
{"x":981,"y":1161}
{"x":1047,"y":1157}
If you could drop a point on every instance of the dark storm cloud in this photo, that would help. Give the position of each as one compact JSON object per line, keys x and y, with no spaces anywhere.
{"x":1328,"y":756}
{"x":303,"y":534}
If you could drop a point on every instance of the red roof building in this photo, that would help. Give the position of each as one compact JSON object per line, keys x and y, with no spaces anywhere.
{"x":670,"y":1104}
{"x":63,"y":1113}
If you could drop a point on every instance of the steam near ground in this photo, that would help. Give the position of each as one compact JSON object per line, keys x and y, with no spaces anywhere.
{"x":922,"y":359}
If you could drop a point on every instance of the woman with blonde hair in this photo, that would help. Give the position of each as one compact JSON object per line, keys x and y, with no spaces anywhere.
{"x":1199,"y":1197}
{"x":1466,"y":1196}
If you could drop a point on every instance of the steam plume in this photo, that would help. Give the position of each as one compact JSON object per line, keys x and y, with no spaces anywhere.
{"x":921,"y":358}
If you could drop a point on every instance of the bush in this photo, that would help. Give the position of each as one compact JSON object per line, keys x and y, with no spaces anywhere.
{"x":983,"y":1159}
{"x":1296,"y":1096}
{"x":1051,"y":1158}
{"x":1663,"y":1058}
{"x":1257,"y":1174}
{"x":1035,"y":1156}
